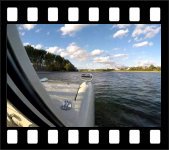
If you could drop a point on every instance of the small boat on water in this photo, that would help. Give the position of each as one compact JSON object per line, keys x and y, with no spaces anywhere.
{"x":45,"y":102}
{"x":87,"y":76}
{"x":44,"y":79}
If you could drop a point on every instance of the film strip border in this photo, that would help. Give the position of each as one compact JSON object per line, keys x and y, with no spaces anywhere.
{"x":143,"y":14}
{"x":73,"y":14}
{"x":75,"y":136}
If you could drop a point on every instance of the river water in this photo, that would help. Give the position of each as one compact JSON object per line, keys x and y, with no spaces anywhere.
{"x":122,"y":99}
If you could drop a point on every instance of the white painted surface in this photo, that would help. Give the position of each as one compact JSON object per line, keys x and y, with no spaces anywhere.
{"x":114,"y":136}
{"x":12,"y":13}
{"x":52,"y":14}
{"x":32,"y":136}
{"x":73,"y":136}
{"x":155,"y":14}
{"x":73,"y":14}
{"x":32,"y":14}
{"x":52,"y":136}
{"x":155,"y":136}
{"x":93,"y":136}
{"x":134,"y":14}
{"x":12,"y":136}
{"x":82,"y":112}
{"x":114,"y":14}
{"x":93,"y":14}
{"x":134,"y":136}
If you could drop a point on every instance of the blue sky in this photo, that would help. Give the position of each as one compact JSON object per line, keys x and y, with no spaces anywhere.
{"x":93,"y":46}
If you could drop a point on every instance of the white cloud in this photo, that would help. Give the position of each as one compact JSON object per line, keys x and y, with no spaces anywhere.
{"x":72,"y":48}
{"x":72,"y":51}
{"x":146,"y":63}
{"x":26,"y":26}
{"x":120,"y":33}
{"x":55,"y":50}
{"x":22,"y":33}
{"x":142,"y":44}
{"x":76,"y":52}
{"x":19,"y":27}
{"x":116,"y":48}
{"x":147,"y":31}
{"x":122,"y":26}
{"x":48,"y":33}
{"x":105,"y":60}
{"x":37,"y":46}
{"x":152,"y":31}
{"x":96,"y":52}
{"x":80,"y":55}
{"x":64,"y":54}
{"x":26,"y":43}
{"x":137,"y":38}
{"x":70,"y":29}
{"x":120,"y":56}
{"x":138,"y":30}
{"x":38,"y":30}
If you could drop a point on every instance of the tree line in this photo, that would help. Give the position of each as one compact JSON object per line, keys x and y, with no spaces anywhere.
{"x":147,"y":68}
{"x":46,"y":61}
{"x":138,"y":68}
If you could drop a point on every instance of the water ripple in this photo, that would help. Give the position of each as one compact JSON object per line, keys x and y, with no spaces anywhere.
{"x":123,"y":99}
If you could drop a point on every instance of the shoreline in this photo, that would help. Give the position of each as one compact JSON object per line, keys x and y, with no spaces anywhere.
{"x":123,"y":71}
{"x":98,"y":71}
{"x":134,"y":71}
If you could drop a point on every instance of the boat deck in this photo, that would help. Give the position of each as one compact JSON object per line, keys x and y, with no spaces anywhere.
{"x":61,"y":91}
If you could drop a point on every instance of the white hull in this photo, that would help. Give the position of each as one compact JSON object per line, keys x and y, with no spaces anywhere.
{"x":81,"y":97}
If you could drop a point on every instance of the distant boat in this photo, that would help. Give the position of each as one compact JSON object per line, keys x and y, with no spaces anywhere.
{"x":87,"y":76}
{"x":44,"y":79}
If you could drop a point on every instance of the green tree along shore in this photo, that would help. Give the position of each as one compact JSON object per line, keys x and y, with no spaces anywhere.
{"x":150,"y":68}
{"x":45,"y":61}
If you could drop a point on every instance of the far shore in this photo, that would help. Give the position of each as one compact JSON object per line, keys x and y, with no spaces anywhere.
{"x":133,"y":71}
{"x":99,"y":71}
{"x":118,"y":71}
